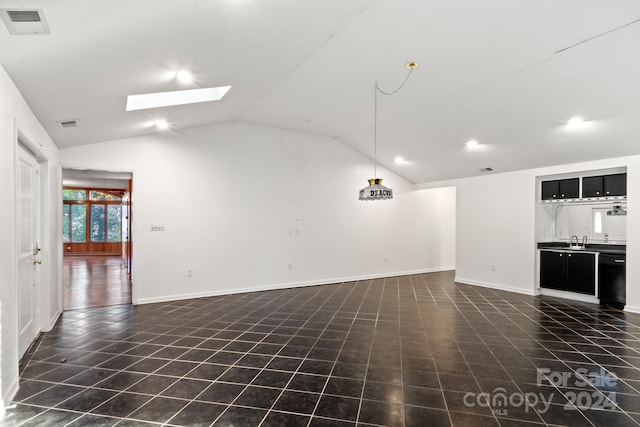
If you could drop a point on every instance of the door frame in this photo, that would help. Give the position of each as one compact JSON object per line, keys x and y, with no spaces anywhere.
{"x":33,"y":329}
{"x":127,"y":244}
{"x":26,"y":129}
{"x":48,"y":297}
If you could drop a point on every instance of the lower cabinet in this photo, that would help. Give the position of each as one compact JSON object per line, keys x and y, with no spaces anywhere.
{"x":581,"y":273}
{"x":568,"y":271}
{"x":553,"y":270}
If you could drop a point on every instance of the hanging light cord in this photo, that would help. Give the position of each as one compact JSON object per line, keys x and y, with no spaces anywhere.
{"x":411,"y":66}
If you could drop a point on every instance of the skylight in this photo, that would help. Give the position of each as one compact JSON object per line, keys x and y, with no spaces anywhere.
{"x":180,"y":97}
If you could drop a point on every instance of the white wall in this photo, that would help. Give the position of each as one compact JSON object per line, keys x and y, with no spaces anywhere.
{"x":17,"y":119}
{"x":496,"y":231}
{"x":241,"y":203}
{"x":438,"y":209}
{"x":496,"y":225}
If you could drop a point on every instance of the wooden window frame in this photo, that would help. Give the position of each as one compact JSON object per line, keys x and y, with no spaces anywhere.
{"x":87,"y":202}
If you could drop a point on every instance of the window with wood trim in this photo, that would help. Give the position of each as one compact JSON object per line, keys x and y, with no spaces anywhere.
{"x":91,"y":215}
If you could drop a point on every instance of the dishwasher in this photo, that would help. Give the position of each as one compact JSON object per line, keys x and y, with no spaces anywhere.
{"x":612,"y":280}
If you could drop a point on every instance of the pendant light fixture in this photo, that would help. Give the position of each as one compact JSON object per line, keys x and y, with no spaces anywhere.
{"x":375,"y":190}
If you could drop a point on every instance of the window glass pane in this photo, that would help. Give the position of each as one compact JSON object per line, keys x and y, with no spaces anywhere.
{"x":68,"y":194}
{"x":597,"y":222}
{"x":103,"y":195}
{"x":114,"y":214}
{"x":78,"y":223}
{"x":66,"y":232}
{"x":97,"y":223}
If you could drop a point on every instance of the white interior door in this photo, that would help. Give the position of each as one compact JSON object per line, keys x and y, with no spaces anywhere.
{"x":28,"y":210}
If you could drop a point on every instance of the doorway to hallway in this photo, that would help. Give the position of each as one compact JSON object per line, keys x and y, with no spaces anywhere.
{"x":96,"y":238}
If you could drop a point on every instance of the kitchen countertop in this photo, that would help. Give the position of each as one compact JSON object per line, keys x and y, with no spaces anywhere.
{"x":591,"y":247}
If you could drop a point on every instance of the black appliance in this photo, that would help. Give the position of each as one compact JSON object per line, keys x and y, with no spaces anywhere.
{"x":612,"y":280}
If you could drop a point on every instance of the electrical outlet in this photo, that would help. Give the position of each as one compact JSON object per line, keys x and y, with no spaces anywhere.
{"x":385,"y":259}
{"x":189,"y":273}
{"x":290,"y":266}
{"x":493,"y":267}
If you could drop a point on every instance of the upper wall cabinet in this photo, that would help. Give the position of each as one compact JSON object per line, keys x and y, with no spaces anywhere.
{"x":604,"y":185}
{"x":615,"y":185}
{"x":593,"y":186}
{"x":561,"y":189}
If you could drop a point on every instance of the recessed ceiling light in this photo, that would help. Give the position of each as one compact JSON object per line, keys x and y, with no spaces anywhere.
{"x":179,"y":97}
{"x":162,"y":124}
{"x":184,"y":76}
{"x":575,"y":122}
{"x":472,"y":144}
{"x":399,"y":160}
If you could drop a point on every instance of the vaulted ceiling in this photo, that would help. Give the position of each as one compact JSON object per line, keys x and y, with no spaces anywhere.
{"x":507,"y":73}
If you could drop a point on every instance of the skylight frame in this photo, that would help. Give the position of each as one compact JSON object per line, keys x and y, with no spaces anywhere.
{"x":178,"y":97}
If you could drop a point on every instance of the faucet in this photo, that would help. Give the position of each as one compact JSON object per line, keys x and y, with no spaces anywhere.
{"x":571,"y":241}
{"x":584,"y":242}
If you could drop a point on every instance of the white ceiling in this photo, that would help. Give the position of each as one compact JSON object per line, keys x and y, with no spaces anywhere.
{"x":493,"y":70}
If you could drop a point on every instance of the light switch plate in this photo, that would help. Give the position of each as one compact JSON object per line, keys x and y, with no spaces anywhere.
{"x":156,"y":227}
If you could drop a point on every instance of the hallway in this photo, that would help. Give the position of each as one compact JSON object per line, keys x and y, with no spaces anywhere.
{"x":95,"y":281}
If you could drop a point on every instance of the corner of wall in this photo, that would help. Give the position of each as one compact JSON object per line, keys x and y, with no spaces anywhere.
{"x":8,"y":396}
{"x":632,"y":309}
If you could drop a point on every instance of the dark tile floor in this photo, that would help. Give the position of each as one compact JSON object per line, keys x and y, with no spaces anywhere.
{"x":409,"y":351}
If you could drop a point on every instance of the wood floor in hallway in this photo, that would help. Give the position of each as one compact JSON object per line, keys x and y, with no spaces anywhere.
{"x":95,"y":281}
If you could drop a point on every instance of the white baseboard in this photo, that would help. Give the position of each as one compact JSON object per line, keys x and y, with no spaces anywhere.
{"x":53,"y":320}
{"x":10,"y":394}
{"x":569,"y":295}
{"x":632,"y":309}
{"x":494,"y":286}
{"x":275,"y":286}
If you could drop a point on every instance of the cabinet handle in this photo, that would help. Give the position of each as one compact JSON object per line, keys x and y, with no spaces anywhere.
{"x":561,"y":254}
{"x":619,"y":260}
{"x":569,"y":255}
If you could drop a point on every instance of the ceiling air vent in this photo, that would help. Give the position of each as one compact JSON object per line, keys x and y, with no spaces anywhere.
{"x":22,"y":22}
{"x":485,"y":169}
{"x":24,"y":15}
{"x":68,"y":123}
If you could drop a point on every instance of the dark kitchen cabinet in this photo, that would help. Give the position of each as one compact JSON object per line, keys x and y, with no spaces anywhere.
{"x":568,"y":271}
{"x":550,"y":190}
{"x":581,"y":273}
{"x":604,"y":185}
{"x":561,"y":189}
{"x":593,"y":186}
{"x":615,"y":185}
{"x":553,"y":270}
